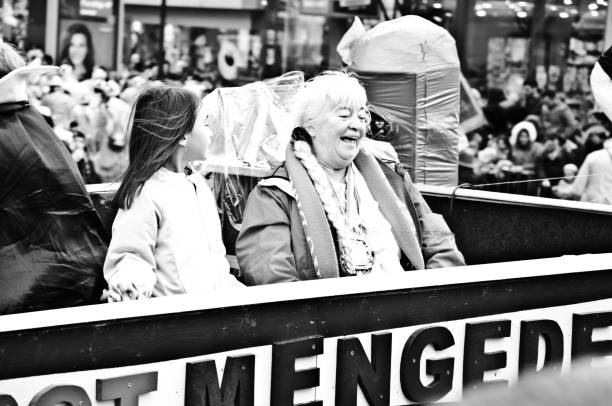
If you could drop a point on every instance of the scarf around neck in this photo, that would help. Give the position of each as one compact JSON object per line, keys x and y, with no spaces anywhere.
{"x":317,"y":228}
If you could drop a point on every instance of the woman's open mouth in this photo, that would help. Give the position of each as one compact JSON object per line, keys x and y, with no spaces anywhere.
{"x":350,"y":139}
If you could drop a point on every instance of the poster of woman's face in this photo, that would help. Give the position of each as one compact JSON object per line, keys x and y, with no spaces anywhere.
{"x":77,"y":46}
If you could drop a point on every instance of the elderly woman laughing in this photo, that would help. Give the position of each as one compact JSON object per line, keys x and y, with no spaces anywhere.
{"x":332,"y":209}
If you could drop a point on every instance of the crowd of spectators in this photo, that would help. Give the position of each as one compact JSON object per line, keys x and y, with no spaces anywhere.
{"x":536,"y":144}
{"x":90,"y":111}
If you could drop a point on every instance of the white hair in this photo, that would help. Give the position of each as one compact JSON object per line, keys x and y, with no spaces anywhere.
{"x":327,"y":91}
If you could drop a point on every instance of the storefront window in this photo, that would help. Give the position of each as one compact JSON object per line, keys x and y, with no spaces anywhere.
{"x":555,"y":43}
{"x":212,"y":54}
{"x":305,"y":42}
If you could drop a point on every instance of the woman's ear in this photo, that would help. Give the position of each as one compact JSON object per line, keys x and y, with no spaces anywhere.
{"x":183,"y":141}
{"x":310,"y":129}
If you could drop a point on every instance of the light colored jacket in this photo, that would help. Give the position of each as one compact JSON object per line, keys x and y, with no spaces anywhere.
{"x":169,"y":240}
{"x":273,"y":247}
{"x":594,"y":180}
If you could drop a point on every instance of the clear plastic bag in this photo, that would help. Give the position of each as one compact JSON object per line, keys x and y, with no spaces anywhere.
{"x":252,"y":123}
{"x":251,"y":128}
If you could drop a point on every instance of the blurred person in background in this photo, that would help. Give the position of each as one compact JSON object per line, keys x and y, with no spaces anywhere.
{"x":495,"y":162}
{"x":592,"y":140}
{"x":549,"y":166}
{"x":557,"y":117}
{"x":525,"y":148}
{"x":528,"y":103}
{"x":525,"y":152}
{"x":563,"y":190}
{"x":35,"y":56}
{"x":61,"y":104}
{"x":495,"y":110}
{"x":594,"y":180}
{"x":80,"y":154}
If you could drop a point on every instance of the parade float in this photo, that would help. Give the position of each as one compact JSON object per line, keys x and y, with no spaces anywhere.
{"x":536,"y":296}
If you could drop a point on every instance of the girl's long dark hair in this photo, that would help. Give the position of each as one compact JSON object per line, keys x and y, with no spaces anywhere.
{"x":88,"y":62}
{"x":161,"y":117}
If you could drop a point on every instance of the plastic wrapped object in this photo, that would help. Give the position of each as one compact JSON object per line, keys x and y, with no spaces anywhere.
{"x":251,"y":127}
{"x":52,"y":244}
{"x":410,"y":69}
{"x":251,"y":124}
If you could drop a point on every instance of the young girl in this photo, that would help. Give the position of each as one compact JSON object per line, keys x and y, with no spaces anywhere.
{"x":167,"y":235}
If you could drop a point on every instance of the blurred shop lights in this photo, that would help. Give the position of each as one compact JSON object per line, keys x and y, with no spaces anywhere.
{"x":554,"y":8}
{"x":439,"y":12}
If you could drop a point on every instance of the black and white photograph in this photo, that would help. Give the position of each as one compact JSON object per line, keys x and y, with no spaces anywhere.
{"x":305,"y":202}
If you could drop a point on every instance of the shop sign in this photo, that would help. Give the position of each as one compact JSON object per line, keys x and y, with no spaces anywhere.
{"x":354,"y":3}
{"x":88,"y":9}
{"x":319,"y":7}
{"x":96,"y":8}
{"x":349,"y":8}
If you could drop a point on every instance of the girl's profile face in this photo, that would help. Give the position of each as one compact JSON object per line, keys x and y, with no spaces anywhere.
{"x":78,"y":48}
{"x":198,"y":140}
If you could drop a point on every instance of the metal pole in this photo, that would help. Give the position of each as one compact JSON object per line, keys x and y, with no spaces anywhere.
{"x":119,"y":13}
{"x":161,"y":56}
{"x":608,"y":30}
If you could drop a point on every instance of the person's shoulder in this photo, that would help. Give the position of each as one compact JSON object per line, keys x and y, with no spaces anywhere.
{"x":158,"y":185}
{"x":277,"y":180}
{"x":600,"y":154}
{"x":279,"y":172}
